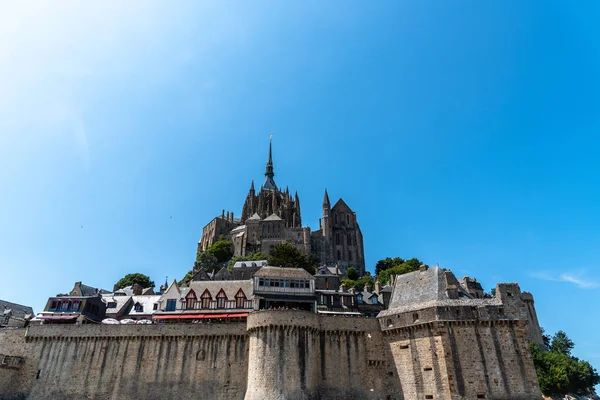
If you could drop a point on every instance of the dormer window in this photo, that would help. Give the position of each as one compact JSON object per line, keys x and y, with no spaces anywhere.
{"x":190,"y":300}
{"x":240,"y":298}
{"x":359,"y":298}
{"x":138,"y":307}
{"x":111,"y":304}
{"x":206,"y":298}
{"x":221,"y":299}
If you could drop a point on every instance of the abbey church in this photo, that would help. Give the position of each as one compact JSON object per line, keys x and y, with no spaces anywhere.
{"x":272,"y":215}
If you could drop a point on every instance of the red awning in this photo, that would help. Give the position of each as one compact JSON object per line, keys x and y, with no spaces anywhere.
{"x":199,"y":316}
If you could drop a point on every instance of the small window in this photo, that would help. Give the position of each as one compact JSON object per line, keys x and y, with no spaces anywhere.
{"x":171,"y":304}
{"x":403,"y":346}
{"x":481,"y":396}
{"x":155,"y":307}
{"x":427,"y":369}
{"x":339,"y":255}
{"x":415,"y":317}
{"x":348,"y":220}
{"x":429,"y":396}
{"x":261,"y":282}
{"x":112,"y":304}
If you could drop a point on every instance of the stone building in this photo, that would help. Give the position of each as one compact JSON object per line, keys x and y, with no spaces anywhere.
{"x":447,"y":342}
{"x":272,"y":215}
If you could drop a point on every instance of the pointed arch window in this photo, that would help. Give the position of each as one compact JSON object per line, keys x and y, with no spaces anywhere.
{"x":339,"y":255}
{"x":206,"y":298}
{"x":221,"y":299}
{"x":190,"y":300}
{"x":240,"y":298}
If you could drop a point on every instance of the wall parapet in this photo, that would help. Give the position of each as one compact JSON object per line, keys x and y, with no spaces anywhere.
{"x":309,"y":320}
{"x":135,"y":331}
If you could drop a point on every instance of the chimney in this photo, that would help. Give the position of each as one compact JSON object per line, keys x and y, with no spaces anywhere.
{"x":223,"y":214}
{"x":377,"y":286}
{"x":231,"y":217}
{"x":137,"y":288}
{"x":227,"y":215}
{"x":115,"y":288}
{"x":423,"y":267}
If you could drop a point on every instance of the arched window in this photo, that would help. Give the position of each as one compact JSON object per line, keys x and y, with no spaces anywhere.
{"x":240,"y":297}
{"x":349,"y":239}
{"x":335,"y":218}
{"x":221,"y":299}
{"x":337,"y":238}
{"x":206,"y":299}
{"x":349,"y":255}
{"x":190,"y":300}
{"x":348,"y":219}
{"x":339,"y":255}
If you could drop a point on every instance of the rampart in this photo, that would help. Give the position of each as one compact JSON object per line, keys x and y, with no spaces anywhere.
{"x":274,"y":355}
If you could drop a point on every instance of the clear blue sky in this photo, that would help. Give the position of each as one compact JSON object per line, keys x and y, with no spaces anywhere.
{"x":465,"y":133}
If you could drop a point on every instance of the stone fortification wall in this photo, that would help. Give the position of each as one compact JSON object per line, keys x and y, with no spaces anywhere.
{"x":464,"y":359}
{"x":300,"y":355}
{"x":113,"y":362}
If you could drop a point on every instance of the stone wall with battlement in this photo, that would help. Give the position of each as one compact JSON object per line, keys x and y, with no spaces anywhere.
{"x":274,"y":355}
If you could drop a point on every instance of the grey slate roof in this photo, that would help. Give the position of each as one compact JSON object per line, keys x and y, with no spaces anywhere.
{"x":248,"y":264}
{"x":279,"y":272}
{"x":254,"y":217}
{"x":17,"y":310}
{"x":223,"y":275}
{"x":120,"y":300}
{"x":273,"y":217}
{"x":146,"y":301}
{"x":422,"y":289}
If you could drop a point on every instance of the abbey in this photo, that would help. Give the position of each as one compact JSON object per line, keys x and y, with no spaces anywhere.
{"x":271,"y":216}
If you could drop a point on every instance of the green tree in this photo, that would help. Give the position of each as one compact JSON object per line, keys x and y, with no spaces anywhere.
{"x":561,"y":343}
{"x":359,"y":284}
{"x":409,"y":266}
{"x":559,"y":373}
{"x":352,"y":274}
{"x":140,"y":279}
{"x":287,"y":255}
{"x":207,"y":260}
{"x":221,"y":249}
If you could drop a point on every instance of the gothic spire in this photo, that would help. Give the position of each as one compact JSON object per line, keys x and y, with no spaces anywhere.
{"x":269,"y":174}
{"x":326,"y":203}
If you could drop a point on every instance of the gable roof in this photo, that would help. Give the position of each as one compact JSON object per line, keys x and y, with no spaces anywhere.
{"x":201,"y":275}
{"x":223,"y":275}
{"x":230,"y":288}
{"x":341,"y":206}
{"x":254,"y":217}
{"x":273,"y":217}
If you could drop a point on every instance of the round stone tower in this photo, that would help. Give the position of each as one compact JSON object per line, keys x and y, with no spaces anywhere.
{"x":284,"y":356}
